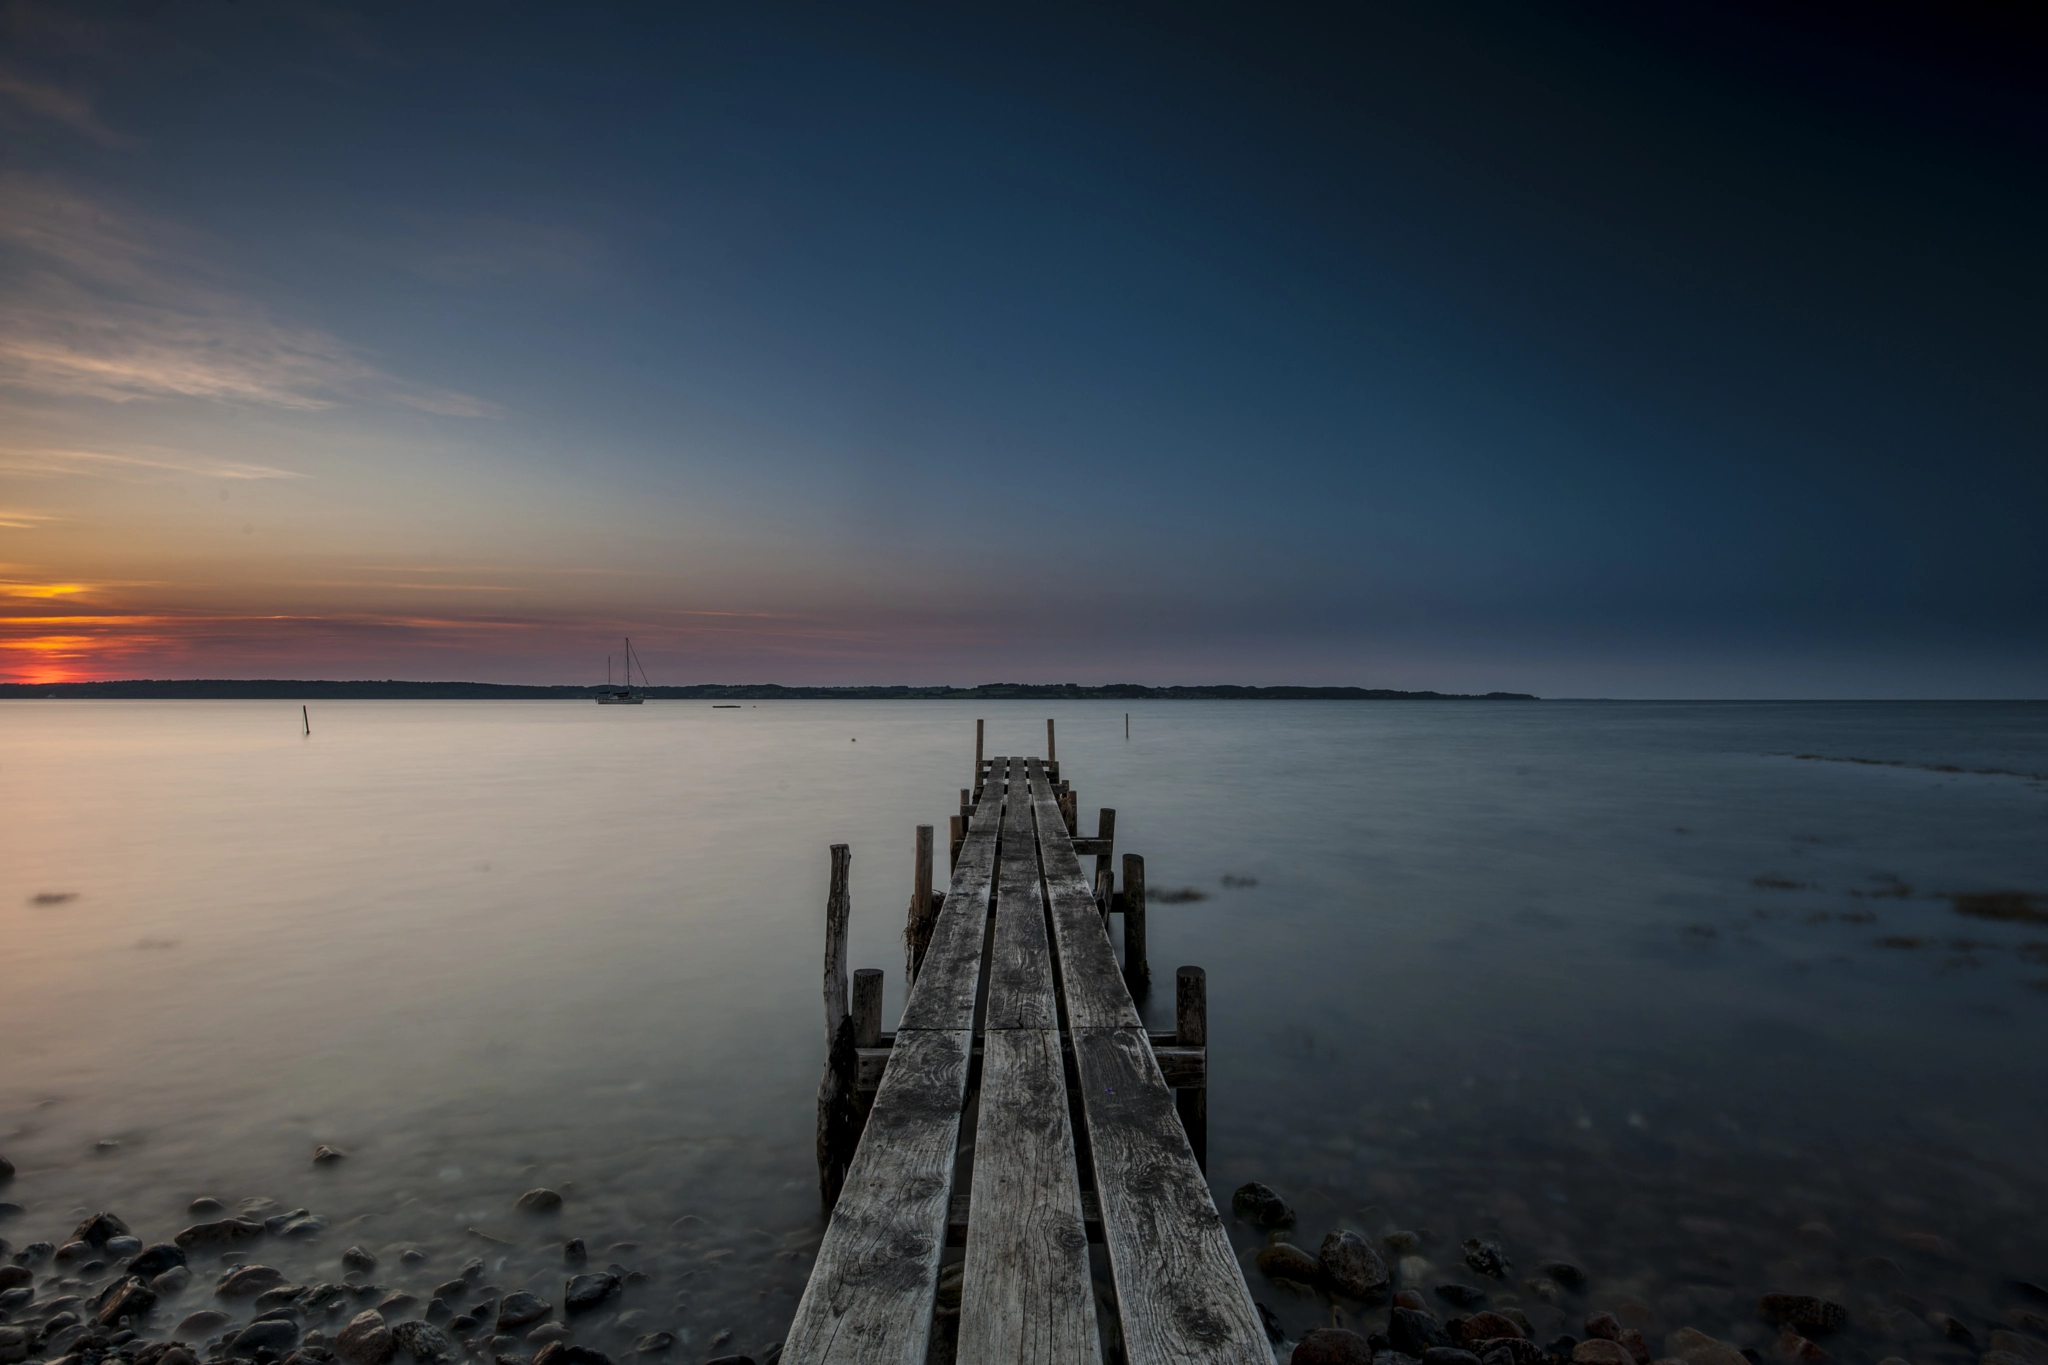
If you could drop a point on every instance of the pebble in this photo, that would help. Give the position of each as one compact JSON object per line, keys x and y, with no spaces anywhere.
{"x":1258,"y":1205}
{"x":1352,"y":1265}
{"x":1408,"y":1298}
{"x":422,"y":1341}
{"x":1486,"y":1258}
{"x":35,"y":1253}
{"x":547,"y":1332}
{"x":250,"y":1279}
{"x":1332,"y":1346}
{"x":1485,"y":1327}
{"x":1802,"y":1311}
{"x":1281,"y":1261}
{"x":366,"y":1340}
{"x":472,"y":1269}
{"x":201,"y":1324}
{"x":1564,"y":1272}
{"x":573,"y":1252}
{"x":537,"y":1201}
{"x":12,"y":1275}
{"x":323,"y":1154}
{"x":11,"y":1299}
{"x":588,"y":1291}
{"x":123,"y":1246}
{"x":276,"y":1336}
{"x":521,"y":1308}
{"x":156,"y":1260}
{"x":655,"y":1341}
{"x":100,"y":1229}
{"x":129,"y":1298}
{"x":355,"y":1258}
{"x":1412,"y":1332}
{"x":206,"y":1204}
{"x":412,"y":1256}
{"x":308,"y":1226}
{"x":225,"y":1232}
{"x":1601,"y":1351}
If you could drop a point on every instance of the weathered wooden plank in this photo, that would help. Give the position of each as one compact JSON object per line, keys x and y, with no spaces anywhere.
{"x":1092,"y":982}
{"x":1020,"y":992}
{"x":871,"y":1290}
{"x":1026,"y":1294}
{"x":950,"y":975}
{"x":1091,"y":1219}
{"x":1180,"y":1293}
{"x":1183,"y":1067}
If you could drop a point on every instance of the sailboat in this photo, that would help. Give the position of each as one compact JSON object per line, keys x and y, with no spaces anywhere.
{"x":621,"y":694}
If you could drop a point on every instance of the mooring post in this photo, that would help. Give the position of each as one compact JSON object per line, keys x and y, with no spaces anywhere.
{"x":838,"y":1111}
{"x":867,"y":1007}
{"x":1105,"y":830}
{"x":1105,"y":892}
{"x":917,"y":935}
{"x":956,"y":831}
{"x":1135,"y":967}
{"x":978,"y":727}
{"x":1052,"y":753}
{"x":1191,"y":1029}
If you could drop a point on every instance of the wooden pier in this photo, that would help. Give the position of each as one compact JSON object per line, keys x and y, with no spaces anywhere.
{"x":1020,"y":1110}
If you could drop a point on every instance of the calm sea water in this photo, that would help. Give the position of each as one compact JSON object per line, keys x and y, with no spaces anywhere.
{"x":1629,"y":984}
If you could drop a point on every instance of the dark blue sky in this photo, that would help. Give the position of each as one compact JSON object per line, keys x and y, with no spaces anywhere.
{"x":1587,"y":350}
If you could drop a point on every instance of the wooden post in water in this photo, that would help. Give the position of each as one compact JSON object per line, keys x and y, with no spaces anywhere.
{"x":978,"y":727}
{"x":306,"y":716}
{"x":1191,"y":1029}
{"x":917,"y":935}
{"x":1105,"y":830}
{"x":1127,"y":725}
{"x":1136,"y":969}
{"x":1105,"y":892}
{"x":867,"y":1006}
{"x":957,"y":835}
{"x":838,"y":1111}
{"x":1052,"y":753}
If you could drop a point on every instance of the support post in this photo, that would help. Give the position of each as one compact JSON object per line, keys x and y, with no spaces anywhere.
{"x":1105,"y":830}
{"x":1052,"y":751}
{"x":1191,"y":1029}
{"x":979,"y":726}
{"x":1105,"y":892}
{"x":956,"y":835}
{"x":867,"y":1006}
{"x":838,"y":1111}
{"x":917,"y":934}
{"x":1136,"y":969}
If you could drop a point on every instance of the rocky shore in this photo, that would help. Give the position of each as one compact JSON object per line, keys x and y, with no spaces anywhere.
{"x":209,"y":1295}
{"x":1389,"y":1304}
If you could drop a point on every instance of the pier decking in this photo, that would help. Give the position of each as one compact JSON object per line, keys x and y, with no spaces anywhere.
{"x":1022,"y":1110}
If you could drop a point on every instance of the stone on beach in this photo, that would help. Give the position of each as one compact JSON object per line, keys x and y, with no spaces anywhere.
{"x":521,"y":1308}
{"x":1352,"y":1265}
{"x":6,"y":1170}
{"x":1486,"y":1258}
{"x":99,"y":1229}
{"x":153,"y":1261}
{"x":537,"y":1201}
{"x":323,"y":1154}
{"x":272,"y":1336}
{"x":1412,"y":1333}
{"x":1697,"y":1348}
{"x":172,"y":1281}
{"x":1564,"y":1272}
{"x":1332,"y":1346}
{"x":355,"y":1258}
{"x":225,"y":1232}
{"x":12,"y":1275}
{"x":1601,"y":1351}
{"x":130,"y":1298}
{"x":1486,"y":1327}
{"x":1448,"y":1355}
{"x":201,"y":1324}
{"x":422,"y":1341}
{"x":366,"y":1340}
{"x":588,"y":1291}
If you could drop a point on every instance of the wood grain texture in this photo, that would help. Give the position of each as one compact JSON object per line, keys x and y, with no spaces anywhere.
{"x":1180,"y":1292}
{"x":838,"y":906}
{"x":1094,"y":986}
{"x":871,"y":1290}
{"x":1020,"y":992}
{"x":1026,"y":1292}
{"x":950,"y":975}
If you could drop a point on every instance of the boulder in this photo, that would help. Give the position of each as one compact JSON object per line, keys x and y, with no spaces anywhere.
{"x":1332,"y":1346}
{"x":1352,"y":1265}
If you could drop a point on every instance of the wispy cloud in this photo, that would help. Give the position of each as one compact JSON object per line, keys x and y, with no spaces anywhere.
{"x":106,"y":305}
{"x":53,"y":463}
{"x":46,"y":100}
{"x":19,"y":519}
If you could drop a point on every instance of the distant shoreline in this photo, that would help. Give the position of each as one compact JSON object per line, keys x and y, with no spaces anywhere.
{"x":278,"y":689}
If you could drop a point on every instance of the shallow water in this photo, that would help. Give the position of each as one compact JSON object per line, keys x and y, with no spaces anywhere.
{"x":1629,"y":984}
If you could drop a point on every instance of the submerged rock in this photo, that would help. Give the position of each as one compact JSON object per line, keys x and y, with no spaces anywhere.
{"x":537,"y":1201}
{"x":653,"y":1342}
{"x":573,"y":1251}
{"x":1258,"y":1205}
{"x":200,"y":1325}
{"x":324,"y":1155}
{"x":225,"y":1232}
{"x":422,"y":1341}
{"x":1487,"y":1326}
{"x":154,"y":1261}
{"x":1486,"y":1258}
{"x":100,"y":1229}
{"x":172,"y":1281}
{"x":1601,"y":1351}
{"x":355,"y":1258}
{"x":1697,"y":1348}
{"x":1448,"y":1355}
{"x":273,"y":1336}
{"x":250,"y":1279}
{"x":1461,"y":1295}
{"x":1352,"y":1265}
{"x":130,"y":1298}
{"x":1412,"y":1333}
{"x":521,"y":1308}
{"x":1564,"y":1272}
{"x":1282,"y":1261}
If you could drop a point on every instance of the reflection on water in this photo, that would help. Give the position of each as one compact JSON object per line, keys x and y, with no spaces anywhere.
{"x":1632,"y":986}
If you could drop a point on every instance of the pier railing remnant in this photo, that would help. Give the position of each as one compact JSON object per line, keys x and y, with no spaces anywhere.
{"x":1019,"y":1112}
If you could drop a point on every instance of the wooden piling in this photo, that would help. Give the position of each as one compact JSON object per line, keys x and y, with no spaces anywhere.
{"x":1136,"y":969}
{"x":1105,"y":830}
{"x":917,"y":934}
{"x":1105,"y":892}
{"x":956,"y":835}
{"x":838,"y":1110}
{"x":307,"y":717}
{"x":979,"y":726}
{"x":867,"y":1006}
{"x":1052,"y":752}
{"x":1191,"y":1029}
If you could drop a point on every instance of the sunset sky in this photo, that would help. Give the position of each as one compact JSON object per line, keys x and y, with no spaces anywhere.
{"x":1609,"y":350}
